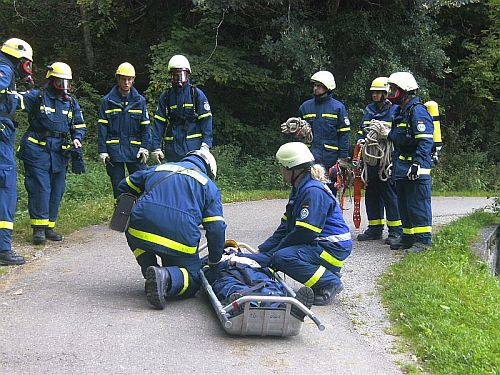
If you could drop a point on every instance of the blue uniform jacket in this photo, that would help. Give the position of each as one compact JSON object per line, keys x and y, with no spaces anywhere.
{"x":123,"y":126}
{"x":54,"y":123}
{"x":166,"y":218}
{"x":330,"y":126}
{"x":312,"y":213}
{"x":180,"y":123}
{"x":9,"y":101}
{"x":412,"y":142}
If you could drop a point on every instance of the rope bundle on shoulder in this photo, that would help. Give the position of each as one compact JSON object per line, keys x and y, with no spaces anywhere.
{"x":299,"y":127}
{"x":377,"y":149}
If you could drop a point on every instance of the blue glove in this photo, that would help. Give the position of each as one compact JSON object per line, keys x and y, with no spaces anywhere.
{"x":413,"y":172}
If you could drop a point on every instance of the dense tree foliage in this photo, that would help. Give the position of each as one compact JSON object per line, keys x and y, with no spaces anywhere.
{"x":254,"y":58}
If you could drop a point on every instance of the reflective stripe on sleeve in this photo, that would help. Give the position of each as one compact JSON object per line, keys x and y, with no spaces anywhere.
{"x":208,"y":114}
{"x":212,"y":218}
{"x":158,"y":117}
{"x":329,"y":115}
{"x":308,"y":226}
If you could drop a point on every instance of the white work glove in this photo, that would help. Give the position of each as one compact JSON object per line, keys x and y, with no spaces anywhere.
{"x":381,"y":127}
{"x":104,"y":157}
{"x":204,"y":146}
{"x":413,"y":172}
{"x":157,"y":156}
{"x":143,"y":155}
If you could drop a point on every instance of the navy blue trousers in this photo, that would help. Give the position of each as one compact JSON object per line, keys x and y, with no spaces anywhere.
{"x":414,"y":199}
{"x":8,"y":199}
{"x":45,"y":191}
{"x":116,"y":172}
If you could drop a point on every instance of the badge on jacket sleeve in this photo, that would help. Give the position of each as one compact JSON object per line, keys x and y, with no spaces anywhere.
{"x":420,"y":126}
{"x":304,"y":213}
{"x":206,"y":106}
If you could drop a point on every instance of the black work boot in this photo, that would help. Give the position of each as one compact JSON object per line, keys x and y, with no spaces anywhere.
{"x":392,"y":238}
{"x":325,"y":296}
{"x":10,"y":258}
{"x":157,"y":284}
{"x":39,"y":236}
{"x":306,"y":296}
{"x":401,"y":244}
{"x":52,"y":235}
{"x":369,"y":235}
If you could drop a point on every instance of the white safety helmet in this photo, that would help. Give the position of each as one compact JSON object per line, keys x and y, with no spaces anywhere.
{"x":209,"y":160}
{"x":325,"y":78}
{"x":179,"y":62}
{"x":380,"y":84}
{"x":404,"y":80}
{"x":294,"y":154}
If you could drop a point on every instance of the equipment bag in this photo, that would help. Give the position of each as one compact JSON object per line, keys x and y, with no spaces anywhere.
{"x":121,"y":216}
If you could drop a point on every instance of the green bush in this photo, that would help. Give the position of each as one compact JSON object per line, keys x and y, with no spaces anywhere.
{"x":243,"y":172}
{"x":470,"y":171}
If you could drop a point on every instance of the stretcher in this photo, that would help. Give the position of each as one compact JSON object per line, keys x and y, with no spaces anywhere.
{"x":244,"y":316}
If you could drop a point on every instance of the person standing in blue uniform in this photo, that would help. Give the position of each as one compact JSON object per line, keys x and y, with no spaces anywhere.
{"x":380,"y":192}
{"x":16,"y":57}
{"x":312,"y":240}
{"x":329,"y":122}
{"x":412,"y":135}
{"x":55,"y":126}
{"x":124,"y":133}
{"x":174,"y":200}
{"x":183,"y":120}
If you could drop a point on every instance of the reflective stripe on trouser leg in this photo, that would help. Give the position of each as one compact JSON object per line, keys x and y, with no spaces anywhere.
{"x":184,"y":274}
{"x":403,"y":202}
{"x":420,"y":210}
{"x":8,"y":198}
{"x":390,"y":202}
{"x":374,"y":206}
{"x":37,"y":184}
{"x":58,"y":186}
{"x":302,"y":262}
{"x":183,"y":284}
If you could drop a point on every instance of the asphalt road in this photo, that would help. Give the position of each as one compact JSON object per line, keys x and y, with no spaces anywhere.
{"x":79,"y":308}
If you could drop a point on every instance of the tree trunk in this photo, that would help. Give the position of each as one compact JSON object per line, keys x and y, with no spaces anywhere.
{"x":87,"y":40}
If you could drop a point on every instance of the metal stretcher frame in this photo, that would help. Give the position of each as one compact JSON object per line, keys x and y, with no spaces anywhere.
{"x":240,"y":318}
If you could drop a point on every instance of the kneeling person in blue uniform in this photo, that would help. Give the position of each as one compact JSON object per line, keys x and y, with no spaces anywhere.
{"x":312,"y":240}
{"x":175,"y":198}
{"x":56,"y":127}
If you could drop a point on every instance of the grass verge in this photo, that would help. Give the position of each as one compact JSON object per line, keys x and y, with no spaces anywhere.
{"x":446,"y":305}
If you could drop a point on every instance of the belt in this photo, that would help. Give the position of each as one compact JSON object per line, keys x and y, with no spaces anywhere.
{"x":51,"y":134}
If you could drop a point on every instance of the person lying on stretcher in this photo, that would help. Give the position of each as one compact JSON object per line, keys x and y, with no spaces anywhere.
{"x":236,"y":276}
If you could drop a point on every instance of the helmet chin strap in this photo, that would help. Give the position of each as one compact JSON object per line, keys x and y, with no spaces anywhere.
{"x":296,"y":177}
